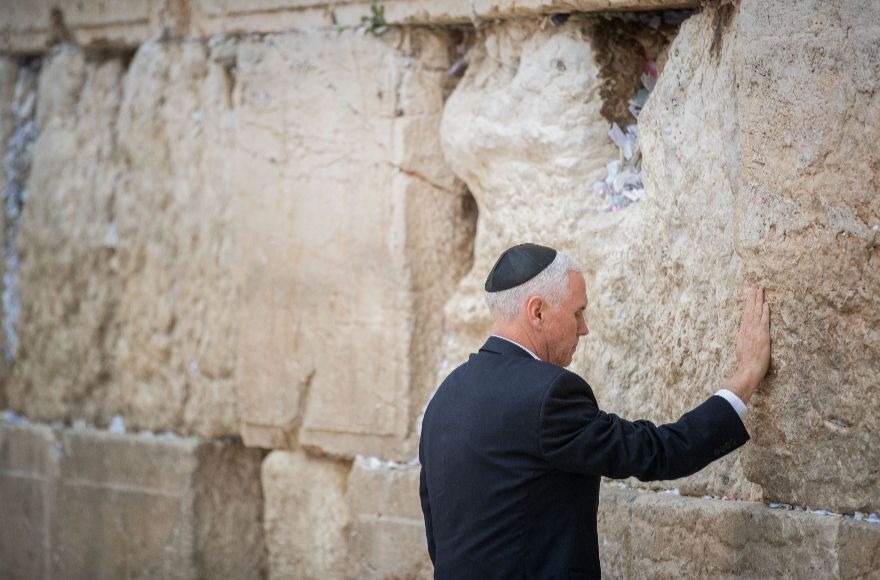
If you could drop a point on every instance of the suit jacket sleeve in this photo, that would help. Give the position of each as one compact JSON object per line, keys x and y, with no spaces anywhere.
{"x":426,"y":510}
{"x":576,"y":436}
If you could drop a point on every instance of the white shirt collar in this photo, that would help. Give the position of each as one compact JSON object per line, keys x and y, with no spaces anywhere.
{"x":536,"y":357}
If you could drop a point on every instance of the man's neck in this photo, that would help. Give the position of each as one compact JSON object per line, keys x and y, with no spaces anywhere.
{"x":517,"y":343}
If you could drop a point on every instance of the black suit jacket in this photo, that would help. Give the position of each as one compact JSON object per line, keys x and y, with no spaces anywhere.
{"x":512,"y":450}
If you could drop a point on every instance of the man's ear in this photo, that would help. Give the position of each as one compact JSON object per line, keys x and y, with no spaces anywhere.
{"x":535,"y":311}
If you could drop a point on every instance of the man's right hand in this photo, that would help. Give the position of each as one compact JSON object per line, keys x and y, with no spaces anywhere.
{"x":752,"y":346}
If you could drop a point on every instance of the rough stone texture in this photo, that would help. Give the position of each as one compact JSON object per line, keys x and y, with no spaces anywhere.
{"x":745,"y":183}
{"x":68,"y":280}
{"x":788,"y":201}
{"x":123,"y":312}
{"x":524,"y":129}
{"x":34,"y":26}
{"x":667,"y":300}
{"x":231,"y":16}
{"x":344,"y":271}
{"x":808,"y":223}
{"x":646,"y":535}
{"x":387,"y":537}
{"x":176,"y":354}
{"x":306,"y":516}
{"x":28,"y":470}
{"x":91,"y":504}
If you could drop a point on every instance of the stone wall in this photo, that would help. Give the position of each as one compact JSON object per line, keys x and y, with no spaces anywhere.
{"x":80,"y":503}
{"x":272,"y":221}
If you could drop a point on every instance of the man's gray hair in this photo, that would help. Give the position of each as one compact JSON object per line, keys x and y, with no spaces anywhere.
{"x":551,"y":284}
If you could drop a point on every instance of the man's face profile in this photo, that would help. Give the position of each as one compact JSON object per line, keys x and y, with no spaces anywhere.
{"x":563,"y":325}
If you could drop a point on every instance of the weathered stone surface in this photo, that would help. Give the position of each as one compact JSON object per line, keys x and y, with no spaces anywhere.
{"x":124,"y":313}
{"x":790,"y":198}
{"x":28,"y":470}
{"x":176,"y":355}
{"x":37,"y":25}
{"x":306,"y":516}
{"x":387,"y":536}
{"x":722,"y":208}
{"x":525,"y":130}
{"x":646,"y":535}
{"x":808,"y":222}
{"x":91,"y":504}
{"x":666,"y":301}
{"x":344,"y":271}
{"x":68,"y":281}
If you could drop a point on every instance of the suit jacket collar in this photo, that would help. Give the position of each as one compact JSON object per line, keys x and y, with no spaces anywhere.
{"x":500,"y":346}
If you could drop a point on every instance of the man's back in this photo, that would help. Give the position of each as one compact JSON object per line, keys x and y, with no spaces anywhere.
{"x":509,"y":514}
{"x":512,"y":450}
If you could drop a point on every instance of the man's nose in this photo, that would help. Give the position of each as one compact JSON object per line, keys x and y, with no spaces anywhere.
{"x":585,"y":331}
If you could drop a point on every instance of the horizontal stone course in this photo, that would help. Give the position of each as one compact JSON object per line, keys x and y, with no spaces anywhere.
{"x":642,"y":534}
{"x":30,"y":27}
{"x":86,"y":504}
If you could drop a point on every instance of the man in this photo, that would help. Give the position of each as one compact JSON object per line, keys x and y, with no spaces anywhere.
{"x":513,"y":445}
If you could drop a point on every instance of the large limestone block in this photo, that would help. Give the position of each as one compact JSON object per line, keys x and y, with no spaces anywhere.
{"x":80,"y":503}
{"x":808,"y":224}
{"x":176,"y":355}
{"x":28,"y":470}
{"x":68,"y":282}
{"x":125,"y":244}
{"x":36,"y":25}
{"x":140,"y":507}
{"x":387,"y":536}
{"x":306,"y":516}
{"x":666,"y":301}
{"x":756,"y":180}
{"x":646,"y":535}
{"x":525,"y":130}
{"x":351,"y":235}
{"x":235,"y":16}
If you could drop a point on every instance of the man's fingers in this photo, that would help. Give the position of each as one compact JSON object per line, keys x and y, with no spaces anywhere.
{"x":765,"y":314}
{"x":749,"y":310}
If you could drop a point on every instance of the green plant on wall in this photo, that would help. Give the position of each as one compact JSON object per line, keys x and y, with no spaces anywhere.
{"x":374,"y":23}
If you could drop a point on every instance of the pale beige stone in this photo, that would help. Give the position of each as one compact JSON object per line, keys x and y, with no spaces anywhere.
{"x":235,"y":16}
{"x":85,"y":504}
{"x":808,"y":226}
{"x":176,"y":354}
{"x":528,"y":136}
{"x":28,"y":470}
{"x":647,"y":535}
{"x":523,"y":129}
{"x":387,"y":536}
{"x":787,"y":206}
{"x":68,"y":282}
{"x":306,"y":516}
{"x":125,"y":237}
{"x":36,"y":25}
{"x":665,"y":304}
{"x":344,"y":272}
